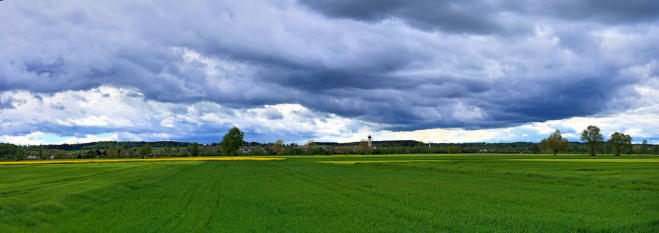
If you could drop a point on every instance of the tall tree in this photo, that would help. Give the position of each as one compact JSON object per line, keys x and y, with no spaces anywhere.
{"x":644,"y":147}
{"x":60,"y":154}
{"x":41,"y":154}
{"x":146,"y":150}
{"x":112,"y":152}
{"x":452,"y":149}
{"x":278,"y":147}
{"x":534,"y":148}
{"x":620,"y":141}
{"x":11,"y":152}
{"x":232,"y":141}
{"x":555,"y":142}
{"x":363,"y":146}
{"x":542,"y":145}
{"x":592,"y":137}
{"x":308,"y":148}
{"x":90,"y":154}
{"x":194,"y":149}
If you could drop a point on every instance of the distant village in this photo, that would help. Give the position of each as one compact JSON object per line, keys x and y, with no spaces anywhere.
{"x":113,"y":149}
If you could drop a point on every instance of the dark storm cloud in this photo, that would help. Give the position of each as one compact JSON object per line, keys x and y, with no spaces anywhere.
{"x":609,"y":11}
{"x":484,"y":17}
{"x":468,"y":64}
{"x":557,"y":99}
{"x":457,"y":16}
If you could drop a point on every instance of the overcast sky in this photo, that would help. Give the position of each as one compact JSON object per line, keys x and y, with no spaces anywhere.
{"x":440,"y":71}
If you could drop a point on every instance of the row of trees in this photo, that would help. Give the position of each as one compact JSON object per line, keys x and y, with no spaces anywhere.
{"x":620,"y":142}
{"x":11,"y":152}
{"x":591,"y":136}
{"x":233,"y":144}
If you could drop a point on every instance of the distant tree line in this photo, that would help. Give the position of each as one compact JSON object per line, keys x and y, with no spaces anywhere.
{"x":592,"y":142}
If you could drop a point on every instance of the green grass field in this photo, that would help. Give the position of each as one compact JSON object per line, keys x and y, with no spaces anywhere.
{"x":389,"y":193}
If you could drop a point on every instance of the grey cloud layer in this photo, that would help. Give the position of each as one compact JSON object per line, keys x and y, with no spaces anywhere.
{"x":474,"y":16}
{"x":408,"y":65}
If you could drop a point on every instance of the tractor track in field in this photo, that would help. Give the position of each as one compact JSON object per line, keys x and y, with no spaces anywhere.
{"x":189,"y":196}
{"x":359,"y":194}
{"x":219,"y":195}
{"x":305,"y":196}
{"x":117,"y":203}
{"x":66,"y":181}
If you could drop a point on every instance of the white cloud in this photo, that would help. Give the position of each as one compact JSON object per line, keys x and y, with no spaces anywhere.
{"x":41,"y":138}
{"x":639,"y":123}
{"x":111,"y":113}
{"x":34,"y":138}
{"x":124,"y":114}
{"x":157,"y":71}
{"x":90,"y":138}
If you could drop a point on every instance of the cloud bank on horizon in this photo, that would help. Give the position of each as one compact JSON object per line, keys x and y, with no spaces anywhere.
{"x":441,"y":71}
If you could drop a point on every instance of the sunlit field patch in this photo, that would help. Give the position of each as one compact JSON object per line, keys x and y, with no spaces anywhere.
{"x":137,"y":160}
{"x":594,"y":160}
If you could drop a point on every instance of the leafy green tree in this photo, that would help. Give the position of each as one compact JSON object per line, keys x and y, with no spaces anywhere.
{"x":11,"y":152}
{"x":318,"y":151}
{"x":60,"y":154}
{"x":555,"y":142}
{"x":232,"y":141}
{"x":644,"y":147}
{"x":41,"y":154}
{"x":542,"y":145}
{"x":620,"y":141}
{"x":91,"y":154}
{"x":145,"y":150}
{"x":255,"y":151}
{"x":194,"y":149}
{"x":308,"y":148}
{"x":363,"y":146}
{"x":452,"y":149}
{"x":592,"y":137}
{"x":113,"y":152}
{"x":534,"y":148}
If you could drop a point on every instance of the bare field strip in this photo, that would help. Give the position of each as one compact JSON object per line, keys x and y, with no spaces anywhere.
{"x":136,"y":160}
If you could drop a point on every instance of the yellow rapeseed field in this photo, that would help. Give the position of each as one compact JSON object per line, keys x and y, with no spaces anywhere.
{"x":136,"y":160}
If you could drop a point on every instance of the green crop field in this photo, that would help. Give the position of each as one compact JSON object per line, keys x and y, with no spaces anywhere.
{"x":386,"y":193}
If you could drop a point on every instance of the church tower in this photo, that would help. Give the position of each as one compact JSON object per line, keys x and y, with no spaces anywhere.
{"x":370,"y":141}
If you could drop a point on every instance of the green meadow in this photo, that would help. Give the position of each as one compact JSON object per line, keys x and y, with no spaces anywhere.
{"x":364,"y":193}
